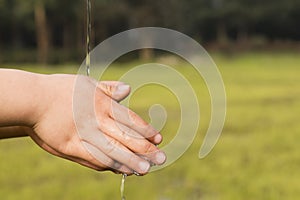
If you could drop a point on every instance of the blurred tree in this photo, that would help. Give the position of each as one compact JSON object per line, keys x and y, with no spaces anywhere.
{"x":2,"y":25}
{"x":280,"y":20}
{"x":67,"y":27}
{"x":63,"y":22}
{"x":164,"y":13}
{"x":144,"y":13}
{"x":47,"y":24}
{"x":42,"y":31}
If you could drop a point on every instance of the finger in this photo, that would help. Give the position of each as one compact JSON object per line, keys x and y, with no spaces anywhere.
{"x":99,"y":165}
{"x":106,"y":160}
{"x":84,"y":159}
{"x":133,"y":141}
{"x":115,"y":89}
{"x":74,"y":159}
{"x":117,"y":152}
{"x":123,"y":170}
{"x":132,"y":120}
{"x":52,"y":151}
{"x":88,"y":155}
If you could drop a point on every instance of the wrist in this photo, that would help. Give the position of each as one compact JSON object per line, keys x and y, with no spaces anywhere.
{"x":37,"y":98}
{"x":20,"y":97}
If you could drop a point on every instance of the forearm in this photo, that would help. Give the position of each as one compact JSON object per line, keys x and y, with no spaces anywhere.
{"x":14,"y":131}
{"x":19,"y":97}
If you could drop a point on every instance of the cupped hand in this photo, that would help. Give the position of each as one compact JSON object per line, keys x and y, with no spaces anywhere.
{"x":81,"y":120}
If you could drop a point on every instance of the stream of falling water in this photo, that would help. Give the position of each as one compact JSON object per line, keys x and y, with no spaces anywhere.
{"x":88,"y":36}
{"x":88,"y":65}
{"x":122,"y":188}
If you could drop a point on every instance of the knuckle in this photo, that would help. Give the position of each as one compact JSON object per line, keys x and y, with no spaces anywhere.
{"x":130,"y":120}
{"x":150,"y":132}
{"x":147,"y":147}
{"x":132,"y":159}
{"x":110,"y":146}
{"x":108,"y":89}
{"x":109,"y":163}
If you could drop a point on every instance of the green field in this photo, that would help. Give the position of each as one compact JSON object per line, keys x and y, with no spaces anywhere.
{"x":256,"y":157}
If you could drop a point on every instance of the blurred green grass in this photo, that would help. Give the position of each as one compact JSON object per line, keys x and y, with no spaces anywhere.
{"x":256,"y":157}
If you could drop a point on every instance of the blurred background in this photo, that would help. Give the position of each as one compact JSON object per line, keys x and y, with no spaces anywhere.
{"x":53,"y":31}
{"x":255,"y":44}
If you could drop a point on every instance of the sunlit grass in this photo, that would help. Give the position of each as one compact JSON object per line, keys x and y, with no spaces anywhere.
{"x":257,"y":156}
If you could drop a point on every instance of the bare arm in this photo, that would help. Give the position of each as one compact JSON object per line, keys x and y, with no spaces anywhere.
{"x":43,"y":103}
{"x":13,"y":132}
{"x":20,"y":97}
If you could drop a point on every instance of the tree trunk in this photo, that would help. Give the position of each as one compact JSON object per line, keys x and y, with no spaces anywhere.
{"x":79,"y":36}
{"x":242,"y":37}
{"x":42,"y":37}
{"x":222,"y":37}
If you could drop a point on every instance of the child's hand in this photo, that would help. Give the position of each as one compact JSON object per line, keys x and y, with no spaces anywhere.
{"x":91,"y":128}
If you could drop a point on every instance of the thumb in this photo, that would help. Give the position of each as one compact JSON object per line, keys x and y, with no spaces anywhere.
{"x":115,"y":89}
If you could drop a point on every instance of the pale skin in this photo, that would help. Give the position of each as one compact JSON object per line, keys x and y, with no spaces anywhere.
{"x":40,"y":106}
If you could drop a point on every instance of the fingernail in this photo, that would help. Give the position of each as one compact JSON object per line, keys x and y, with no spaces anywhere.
{"x":123,"y":88}
{"x":158,"y":138}
{"x":144,"y":166}
{"x":160,"y":158}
